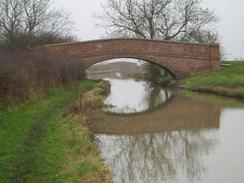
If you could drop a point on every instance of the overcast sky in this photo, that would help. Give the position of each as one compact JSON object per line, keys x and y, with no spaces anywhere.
{"x":230,"y":27}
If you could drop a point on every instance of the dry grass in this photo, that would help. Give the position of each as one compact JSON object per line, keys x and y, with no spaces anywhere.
{"x":92,"y":99}
{"x":84,"y":153}
{"x":84,"y":161}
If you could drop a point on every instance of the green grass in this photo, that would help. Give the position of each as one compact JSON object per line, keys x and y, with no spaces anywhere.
{"x":228,"y":77}
{"x":38,"y":144}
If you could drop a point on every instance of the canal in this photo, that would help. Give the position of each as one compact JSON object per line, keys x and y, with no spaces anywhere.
{"x":151,"y":135}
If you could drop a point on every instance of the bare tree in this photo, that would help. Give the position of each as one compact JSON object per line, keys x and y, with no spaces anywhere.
{"x":25,"y":22}
{"x":181,"y":20}
{"x":41,"y":20}
{"x":35,"y":12}
{"x":205,"y":36}
{"x":10,"y":20}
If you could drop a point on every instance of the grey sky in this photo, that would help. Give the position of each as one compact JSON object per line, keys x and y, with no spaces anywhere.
{"x":230,"y":27}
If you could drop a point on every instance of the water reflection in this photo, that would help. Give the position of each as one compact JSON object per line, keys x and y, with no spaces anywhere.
{"x":179,"y":113}
{"x":164,"y":157}
{"x":188,"y":139}
{"x":142,"y":96}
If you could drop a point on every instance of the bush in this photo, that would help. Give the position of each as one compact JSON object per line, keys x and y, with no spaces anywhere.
{"x":27,"y":75}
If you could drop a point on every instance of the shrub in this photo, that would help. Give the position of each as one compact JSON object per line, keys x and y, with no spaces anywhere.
{"x":27,"y":74}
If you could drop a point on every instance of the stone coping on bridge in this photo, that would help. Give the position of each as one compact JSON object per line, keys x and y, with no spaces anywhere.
{"x":128,"y":39}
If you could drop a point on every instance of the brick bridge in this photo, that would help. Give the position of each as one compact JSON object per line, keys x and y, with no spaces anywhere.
{"x":180,"y":59}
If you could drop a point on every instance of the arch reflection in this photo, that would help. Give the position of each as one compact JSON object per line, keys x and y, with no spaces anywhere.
{"x":167,"y":144}
{"x":141,"y":97}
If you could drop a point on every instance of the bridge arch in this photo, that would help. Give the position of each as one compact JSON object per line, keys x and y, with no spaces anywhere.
{"x":150,"y":60}
{"x":181,"y":59}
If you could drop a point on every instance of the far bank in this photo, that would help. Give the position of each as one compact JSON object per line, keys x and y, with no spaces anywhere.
{"x":227,"y":81}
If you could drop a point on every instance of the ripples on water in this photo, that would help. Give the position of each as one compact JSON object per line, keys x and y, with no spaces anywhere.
{"x":170,"y":138}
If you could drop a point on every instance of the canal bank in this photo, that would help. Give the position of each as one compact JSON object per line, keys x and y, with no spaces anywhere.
{"x":227,"y":81}
{"x":43,"y":142}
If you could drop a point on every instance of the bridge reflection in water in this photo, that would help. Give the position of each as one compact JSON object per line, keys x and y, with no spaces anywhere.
{"x":143,"y":97}
{"x":170,"y":156}
{"x":159,"y":111}
{"x":168,"y":143}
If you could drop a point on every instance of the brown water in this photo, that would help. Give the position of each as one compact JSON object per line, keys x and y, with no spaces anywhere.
{"x":149,"y":135}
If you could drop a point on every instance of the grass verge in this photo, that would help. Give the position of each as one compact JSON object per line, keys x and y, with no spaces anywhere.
{"x":228,"y":81}
{"x":40,"y":145}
